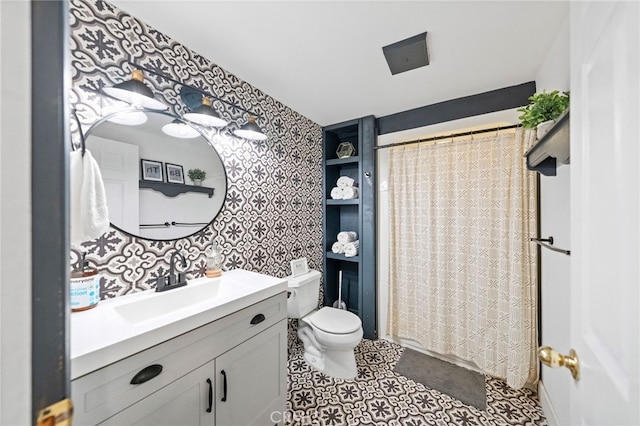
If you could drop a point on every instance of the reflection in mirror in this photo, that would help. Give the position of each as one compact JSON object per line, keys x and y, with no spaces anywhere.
{"x":156,"y":202}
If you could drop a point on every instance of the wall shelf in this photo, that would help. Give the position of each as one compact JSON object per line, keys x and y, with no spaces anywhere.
{"x":174,"y":189}
{"x":551,"y":148}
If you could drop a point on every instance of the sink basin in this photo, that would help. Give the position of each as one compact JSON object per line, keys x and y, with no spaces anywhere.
{"x":122,"y":326}
{"x":153,"y":304}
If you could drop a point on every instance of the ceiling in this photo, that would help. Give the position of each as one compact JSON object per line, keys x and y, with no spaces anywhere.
{"x":324,"y":59}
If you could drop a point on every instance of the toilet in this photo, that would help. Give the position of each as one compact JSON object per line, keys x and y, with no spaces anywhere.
{"x":329,"y":334}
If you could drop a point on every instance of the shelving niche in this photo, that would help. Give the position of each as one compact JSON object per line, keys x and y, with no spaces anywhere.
{"x":359,"y":272}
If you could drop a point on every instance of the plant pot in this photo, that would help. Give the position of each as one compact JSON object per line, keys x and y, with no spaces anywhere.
{"x":197,"y":182}
{"x":543,"y":128}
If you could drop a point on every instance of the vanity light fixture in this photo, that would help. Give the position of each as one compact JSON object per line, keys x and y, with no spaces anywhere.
{"x":135,"y":92}
{"x":179,"y":129}
{"x":205,"y":115}
{"x":198,"y":101}
{"x":250,"y":130}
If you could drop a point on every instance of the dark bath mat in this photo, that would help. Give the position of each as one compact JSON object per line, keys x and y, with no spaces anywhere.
{"x":457,"y":382}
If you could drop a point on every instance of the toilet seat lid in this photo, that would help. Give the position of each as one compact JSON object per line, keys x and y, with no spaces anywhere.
{"x":336,"y":321}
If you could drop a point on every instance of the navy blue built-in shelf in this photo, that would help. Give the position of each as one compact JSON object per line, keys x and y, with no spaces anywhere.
{"x":358,"y":272}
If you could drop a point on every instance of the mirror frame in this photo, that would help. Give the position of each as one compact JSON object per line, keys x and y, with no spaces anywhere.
{"x":86,"y":134}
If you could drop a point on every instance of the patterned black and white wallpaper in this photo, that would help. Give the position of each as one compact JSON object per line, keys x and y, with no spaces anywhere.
{"x":273,"y":210}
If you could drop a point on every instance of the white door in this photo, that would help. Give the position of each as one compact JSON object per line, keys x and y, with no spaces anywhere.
{"x":119,"y":165}
{"x":605,"y":187}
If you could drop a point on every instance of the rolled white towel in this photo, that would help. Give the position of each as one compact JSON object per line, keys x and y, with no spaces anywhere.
{"x":337,"y":247}
{"x":345,"y":181}
{"x":345,"y":237}
{"x":349,"y":193}
{"x":351,"y":249}
{"x":336,"y":193}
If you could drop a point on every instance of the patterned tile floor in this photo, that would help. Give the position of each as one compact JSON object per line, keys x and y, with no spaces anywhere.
{"x":379,"y":396}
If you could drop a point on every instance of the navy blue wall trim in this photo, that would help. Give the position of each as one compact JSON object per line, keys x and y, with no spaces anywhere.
{"x":50,"y":200}
{"x":468,"y":106}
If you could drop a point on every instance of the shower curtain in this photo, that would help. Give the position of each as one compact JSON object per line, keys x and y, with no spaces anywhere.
{"x":463,"y":273}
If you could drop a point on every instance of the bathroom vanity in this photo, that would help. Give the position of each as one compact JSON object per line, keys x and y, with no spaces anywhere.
{"x":210,"y":353}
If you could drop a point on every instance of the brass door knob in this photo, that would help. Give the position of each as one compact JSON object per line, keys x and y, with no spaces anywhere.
{"x":552,"y":358}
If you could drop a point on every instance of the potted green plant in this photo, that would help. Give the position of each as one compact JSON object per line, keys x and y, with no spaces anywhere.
{"x":543,"y":109}
{"x":197,"y":176}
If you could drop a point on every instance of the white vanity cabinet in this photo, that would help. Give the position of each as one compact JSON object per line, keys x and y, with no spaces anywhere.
{"x":231,"y":371}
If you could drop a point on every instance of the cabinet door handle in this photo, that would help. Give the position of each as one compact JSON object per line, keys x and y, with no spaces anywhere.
{"x":257,"y":319}
{"x":210,"y":395}
{"x":224,"y":386}
{"x":146,"y":374}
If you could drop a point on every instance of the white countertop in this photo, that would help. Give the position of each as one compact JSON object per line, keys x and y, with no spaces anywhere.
{"x":102,"y":335}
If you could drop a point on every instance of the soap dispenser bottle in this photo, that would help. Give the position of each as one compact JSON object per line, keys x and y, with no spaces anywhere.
{"x":213,"y":267}
{"x":85,"y":286}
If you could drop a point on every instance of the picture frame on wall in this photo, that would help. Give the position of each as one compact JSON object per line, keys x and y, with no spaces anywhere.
{"x":151,"y":170}
{"x":175,"y":173}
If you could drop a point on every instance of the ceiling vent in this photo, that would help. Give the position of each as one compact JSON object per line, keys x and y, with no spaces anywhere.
{"x":407,"y":54}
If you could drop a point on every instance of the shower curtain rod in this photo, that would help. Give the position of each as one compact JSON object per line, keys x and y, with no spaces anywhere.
{"x":452,"y":135}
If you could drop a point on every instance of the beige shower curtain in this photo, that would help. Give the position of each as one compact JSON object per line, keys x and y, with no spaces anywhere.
{"x":462,"y":269}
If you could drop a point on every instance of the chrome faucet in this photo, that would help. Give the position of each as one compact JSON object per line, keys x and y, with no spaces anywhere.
{"x":173,"y":281}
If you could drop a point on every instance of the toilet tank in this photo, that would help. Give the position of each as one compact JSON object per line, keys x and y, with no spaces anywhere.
{"x":304,"y":291}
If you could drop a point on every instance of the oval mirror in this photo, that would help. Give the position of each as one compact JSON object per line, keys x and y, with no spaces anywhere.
{"x":145,"y":157}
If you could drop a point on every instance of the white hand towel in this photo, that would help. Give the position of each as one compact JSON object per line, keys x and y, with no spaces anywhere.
{"x":345,"y":237}
{"x":345,"y":181}
{"x":351,"y":249}
{"x":337,"y":247}
{"x":336,"y":193}
{"x":349,"y":193}
{"x":89,"y":215}
{"x":75,"y":188}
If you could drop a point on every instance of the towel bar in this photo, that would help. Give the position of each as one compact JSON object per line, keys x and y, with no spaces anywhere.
{"x":543,"y":243}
